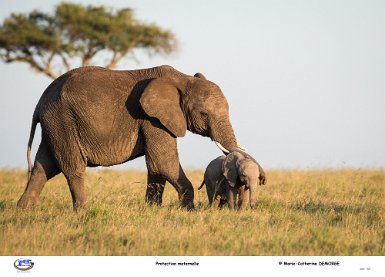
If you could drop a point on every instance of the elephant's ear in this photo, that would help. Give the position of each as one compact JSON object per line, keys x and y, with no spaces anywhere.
{"x":200,"y":75}
{"x":230,"y":167}
{"x":161,"y":99}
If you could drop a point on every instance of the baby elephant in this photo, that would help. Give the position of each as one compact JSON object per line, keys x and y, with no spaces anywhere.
{"x":232,"y":176}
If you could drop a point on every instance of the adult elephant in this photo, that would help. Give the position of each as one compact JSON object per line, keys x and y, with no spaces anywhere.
{"x":92,"y":116}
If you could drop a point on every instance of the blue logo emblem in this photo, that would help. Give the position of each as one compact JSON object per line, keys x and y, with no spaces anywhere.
{"x":23,"y":264}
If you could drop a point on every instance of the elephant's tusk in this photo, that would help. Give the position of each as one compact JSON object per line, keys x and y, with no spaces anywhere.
{"x":242,"y":148}
{"x":221,"y":147}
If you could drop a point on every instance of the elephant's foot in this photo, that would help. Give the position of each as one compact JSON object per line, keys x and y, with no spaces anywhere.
{"x":153,"y":201}
{"x":154,"y":193}
{"x":189,"y":206}
{"x":26,"y":202}
{"x":154,"y":196}
{"x":187,"y":199}
{"x":78,"y":206}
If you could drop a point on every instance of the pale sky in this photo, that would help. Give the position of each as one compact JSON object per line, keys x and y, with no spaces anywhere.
{"x":305,"y":80}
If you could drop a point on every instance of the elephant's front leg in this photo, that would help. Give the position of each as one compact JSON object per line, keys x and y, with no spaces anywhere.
{"x":162,"y":160}
{"x":183,"y":186}
{"x":155,"y":188}
{"x":177,"y":178}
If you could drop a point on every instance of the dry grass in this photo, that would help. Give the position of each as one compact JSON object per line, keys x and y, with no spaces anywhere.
{"x":298,"y":213}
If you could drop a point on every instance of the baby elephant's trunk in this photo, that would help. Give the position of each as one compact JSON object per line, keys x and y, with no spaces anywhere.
{"x":253,"y":186}
{"x":253,"y":194}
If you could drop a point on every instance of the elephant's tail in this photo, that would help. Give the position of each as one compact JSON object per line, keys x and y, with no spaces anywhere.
{"x":35,"y":120}
{"x":201,"y":186}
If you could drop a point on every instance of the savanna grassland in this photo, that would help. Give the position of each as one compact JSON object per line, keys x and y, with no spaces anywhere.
{"x":298,"y":213}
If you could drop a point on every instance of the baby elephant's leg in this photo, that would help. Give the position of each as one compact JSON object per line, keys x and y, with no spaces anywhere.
{"x":243,"y":197}
{"x":222,"y":203}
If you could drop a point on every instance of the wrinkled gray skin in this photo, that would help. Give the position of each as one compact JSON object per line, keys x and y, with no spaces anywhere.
{"x":236,"y":175}
{"x":92,"y":116}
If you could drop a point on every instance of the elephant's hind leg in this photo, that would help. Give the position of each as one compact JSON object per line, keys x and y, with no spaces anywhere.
{"x":76,"y":185}
{"x":69,"y":157}
{"x":74,"y":173}
{"x":44,"y":169}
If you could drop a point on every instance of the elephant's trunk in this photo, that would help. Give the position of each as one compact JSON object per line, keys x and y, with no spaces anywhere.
{"x":223,"y":135}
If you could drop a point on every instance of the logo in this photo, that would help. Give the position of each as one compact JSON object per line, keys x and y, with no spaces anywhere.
{"x":23,"y":264}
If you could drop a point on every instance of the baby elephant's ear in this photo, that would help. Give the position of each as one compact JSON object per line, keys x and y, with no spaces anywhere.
{"x":200,"y":75}
{"x":230,"y":167}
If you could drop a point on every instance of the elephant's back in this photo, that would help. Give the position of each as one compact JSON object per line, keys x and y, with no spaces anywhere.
{"x":59,"y":87}
{"x":91,"y":82}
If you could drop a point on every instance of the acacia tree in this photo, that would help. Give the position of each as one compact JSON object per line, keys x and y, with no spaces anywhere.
{"x":76,"y":35}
